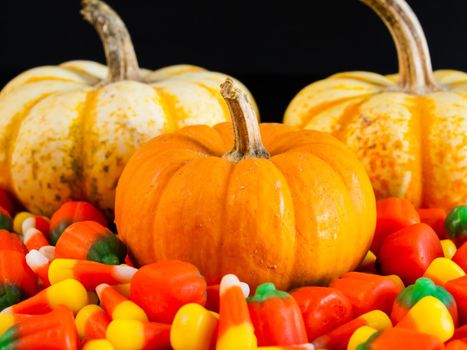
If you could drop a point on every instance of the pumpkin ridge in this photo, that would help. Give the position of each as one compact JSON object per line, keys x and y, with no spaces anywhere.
{"x":86,"y":122}
{"x":224,"y":210}
{"x":214,"y":93}
{"x":170,"y":121}
{"x":170,"y":102}
{"x":81,"y":72}
{"x":50,"y":77}
{"x":13,"y":127}
{"x":359,"y":78}
{"x":294,"y":210}
{"x":425,"y":121}
{"x":77,"y":134}
{"x":315,"y":110}
{"x":347,"y":116}
{"x":160,"y":194}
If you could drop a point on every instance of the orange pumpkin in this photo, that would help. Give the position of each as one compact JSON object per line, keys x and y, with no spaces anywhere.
{"x":409,"y":130}
{"x":296,"y":209}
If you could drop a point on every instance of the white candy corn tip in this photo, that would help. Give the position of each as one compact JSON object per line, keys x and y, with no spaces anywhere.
{"x":229,"y":281}
{"x":48,"y":251}
{"x":7,"y":311}
{"x":28,"y":233}
{"x":123,"y":273}
{"x":28,"y":223}
{"x":245,"y":289}
{"x":35,"y":259}
{"x":306,"y":347}
{"x":100,"y":288}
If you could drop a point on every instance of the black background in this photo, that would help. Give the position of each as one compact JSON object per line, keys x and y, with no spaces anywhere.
{"x":275,"y":48}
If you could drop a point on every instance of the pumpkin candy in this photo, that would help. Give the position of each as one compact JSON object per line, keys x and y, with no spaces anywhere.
{"x":409,"y":130}
{"x":67,"y":131}
{"x":296,"y":209}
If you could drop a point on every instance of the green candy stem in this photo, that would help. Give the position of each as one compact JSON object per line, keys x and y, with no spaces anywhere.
{"x":267,"y":291}
{"x":456,"y":222}
{"x":108,"y":250}
{"x":367,"y":345}
{"x":423,"y":287}
{"x":57,"y":230}
{"x":10,"y":294}
{"x":9,"y":338}
{"x":5,"y":222}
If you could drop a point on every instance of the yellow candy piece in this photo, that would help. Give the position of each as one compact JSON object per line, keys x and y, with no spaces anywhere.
{"x":443,"y":270}
{"x":193,"y":328}
{"x":98,"y":344}
{"x":70,"y":293}
{"x":125,"y":334}
{"x":128,"y":310}
{"x":449,"y":248}
{"x":6,"y":321}
{"x":429,"y":315}
{"x":123,"y":289}
{"x":360,"y":336}
{"x":377,"y":319}
{"x":398,"y":280}
{"x":18,"y":221}
{"x":83,"y":316}
{"x":61,"y":269}
{"x":370,"y":258}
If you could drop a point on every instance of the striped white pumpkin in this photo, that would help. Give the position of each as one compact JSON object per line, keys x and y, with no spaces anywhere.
{"x":67,"y":131}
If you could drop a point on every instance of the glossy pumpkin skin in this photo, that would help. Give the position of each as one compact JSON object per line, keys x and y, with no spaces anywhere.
{"x":66,"y":131}
{"x":303,"y":216}
{"x":409,"y":130}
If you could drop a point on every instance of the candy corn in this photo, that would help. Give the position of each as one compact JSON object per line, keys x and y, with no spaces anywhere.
{"x":194,"y":328}
{"x":118,"y":306}
{"x":40,"y":265}
{"x":430,"y":316}
{"x":69,"y":292}
{"x":34,"y":239}
{"x":412,"y":294}
{"x":360,"y":336}
{"x":338,"y":338}
{"x":17,"y":281}
{"x":235,"y":326}
{"x":98,"y":344}
{"x":40,"y":223}
{"x":449,"y":249}
{"x":137,"y":335}
{"x":53,"y":330}
{"x":11,"y":241}
{"x":323,"y":309}
{"x":367,"y":291}
{"x":401,"y":339}
{"x":161,"y":288}
{"x":89,"y":273}
{"x":18,"y":221}
{"x":89,"y":240}
{"x":276,"y":317}
{"x":71,"y":212}
{"x":442,"y":270}
{"x":92,"y":322}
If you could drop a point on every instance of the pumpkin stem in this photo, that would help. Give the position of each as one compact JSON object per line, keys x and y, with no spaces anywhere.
{"x":119,"y":51}
{"x":415,"y":71}
{"x":247,"y":137}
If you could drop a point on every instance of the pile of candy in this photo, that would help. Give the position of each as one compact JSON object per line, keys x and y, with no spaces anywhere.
{"x":67,"y":283}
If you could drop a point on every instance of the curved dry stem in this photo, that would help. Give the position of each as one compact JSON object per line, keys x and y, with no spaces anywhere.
{"x":119,"y":51}
{"x":247,"y":136}
{"x":415,"y":71}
